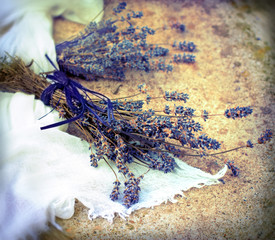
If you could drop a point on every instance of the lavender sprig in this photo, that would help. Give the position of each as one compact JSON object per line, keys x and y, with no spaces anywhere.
{"x":238,"y":112}
{"x":109,"y":48}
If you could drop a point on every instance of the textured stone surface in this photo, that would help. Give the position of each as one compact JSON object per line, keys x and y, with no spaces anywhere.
{"x":232,"y":68}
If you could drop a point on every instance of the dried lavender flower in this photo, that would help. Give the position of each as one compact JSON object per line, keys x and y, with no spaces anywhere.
{"x":109,"y":48}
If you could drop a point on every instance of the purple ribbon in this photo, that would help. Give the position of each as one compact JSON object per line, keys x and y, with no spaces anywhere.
{"x":76,"y":101}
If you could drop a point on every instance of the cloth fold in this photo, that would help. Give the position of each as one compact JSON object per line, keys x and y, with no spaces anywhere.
{"x":26,"y":27}
{"x":42,"y":172}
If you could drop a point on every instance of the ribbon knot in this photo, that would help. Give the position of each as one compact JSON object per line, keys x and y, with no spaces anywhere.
{"x":61,"y":77}
{"x":77,"y":103}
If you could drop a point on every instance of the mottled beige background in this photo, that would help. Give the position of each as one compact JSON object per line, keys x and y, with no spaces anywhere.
{"x":233,"y":68}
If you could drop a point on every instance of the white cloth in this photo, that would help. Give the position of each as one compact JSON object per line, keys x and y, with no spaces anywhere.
{"x":26,"y":27}
{"x":42,"y":172}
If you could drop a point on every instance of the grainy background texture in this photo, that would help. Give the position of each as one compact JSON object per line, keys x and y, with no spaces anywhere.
{"x":234,"y":63}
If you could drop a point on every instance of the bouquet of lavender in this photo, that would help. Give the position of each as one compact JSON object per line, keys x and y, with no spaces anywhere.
{"x":119,"y":130}
{"x":109,"y":48}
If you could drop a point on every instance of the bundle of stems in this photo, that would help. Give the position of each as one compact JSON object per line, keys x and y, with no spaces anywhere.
{"x":120,"y":131}
{"x":16,"y":76}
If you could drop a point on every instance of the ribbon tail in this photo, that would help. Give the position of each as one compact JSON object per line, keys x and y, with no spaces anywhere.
{"x":63,"y":122}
